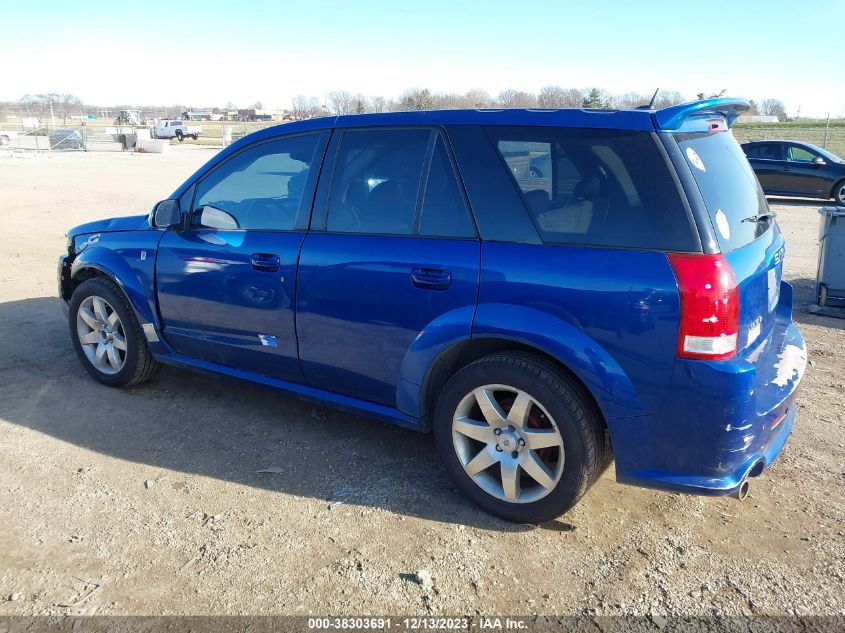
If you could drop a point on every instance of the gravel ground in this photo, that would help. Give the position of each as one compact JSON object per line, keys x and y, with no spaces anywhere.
{"x":148,"y":501}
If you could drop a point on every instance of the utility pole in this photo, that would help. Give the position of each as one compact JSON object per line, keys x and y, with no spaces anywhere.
{"x":826,"y":131}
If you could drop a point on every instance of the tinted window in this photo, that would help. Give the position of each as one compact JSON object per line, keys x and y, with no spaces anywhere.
{"x":444,"y":212}
{"x":596,"y":187}
{"x":377,"y":181}
{"x":767,"y":151}
{"x":396,"y":182}
{"x":259,"y":188}
{"x":800,"y":154}
{"x":728,"y":186}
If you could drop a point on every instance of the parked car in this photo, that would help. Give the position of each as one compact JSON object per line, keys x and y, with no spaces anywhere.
{"x":7,"y":137}
{"x":395,"y":266}
{"x":64,"y":138}
{"x":175,"y":128}
{"x":794,"y":168}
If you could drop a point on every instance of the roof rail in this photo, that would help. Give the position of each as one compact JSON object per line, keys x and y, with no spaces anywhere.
{"x":673,"y":118}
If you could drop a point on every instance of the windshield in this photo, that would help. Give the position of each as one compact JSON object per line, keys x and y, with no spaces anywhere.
{"x":730,"y":189}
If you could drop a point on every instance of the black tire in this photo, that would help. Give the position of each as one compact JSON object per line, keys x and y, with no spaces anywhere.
{"x":838,"y":193}
{"x":139,"y":364}
{"x":4,"y":140}
{"x":179,"y":136}
{"x":585,"y":450}
{"x":194,"y":136}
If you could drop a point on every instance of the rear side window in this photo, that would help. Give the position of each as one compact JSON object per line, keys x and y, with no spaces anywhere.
{"x":766,"y":151}
{"x":728,"y":186}
{"x":596,"y":187}
{"x":396,"y":182}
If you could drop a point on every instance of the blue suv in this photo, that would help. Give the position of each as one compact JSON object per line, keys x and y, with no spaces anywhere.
{"x":535,"y":287}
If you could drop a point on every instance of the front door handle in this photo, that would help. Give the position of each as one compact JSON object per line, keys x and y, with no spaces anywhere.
{"x":431,"y":278}
{"x":265,"y":262}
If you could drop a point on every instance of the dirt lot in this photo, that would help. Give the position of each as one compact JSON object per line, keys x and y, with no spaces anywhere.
{"x":356,"y":506}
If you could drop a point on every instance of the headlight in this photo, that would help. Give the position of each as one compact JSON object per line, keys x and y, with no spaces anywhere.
{"x":69,"y":247}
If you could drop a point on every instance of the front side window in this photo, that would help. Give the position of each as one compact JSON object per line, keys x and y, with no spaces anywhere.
{"x":260,"y":188}
{"x":596,"y":187}
{"x":396,"y":182}
{"x":800,"y":155}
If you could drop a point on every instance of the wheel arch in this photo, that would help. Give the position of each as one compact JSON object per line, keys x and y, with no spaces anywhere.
{"x":500,"y":327}
{"x":466,"y":352}
{"x":102,"y":262}
{"x":836,"y":186}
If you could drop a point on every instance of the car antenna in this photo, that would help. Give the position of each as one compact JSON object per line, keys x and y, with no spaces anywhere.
{"x":650,"y":103}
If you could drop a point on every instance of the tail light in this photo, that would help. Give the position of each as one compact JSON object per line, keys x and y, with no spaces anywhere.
{"x":709,"y":306}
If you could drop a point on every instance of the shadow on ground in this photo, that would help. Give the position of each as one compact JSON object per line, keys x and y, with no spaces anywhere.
{"x":220,"y":428}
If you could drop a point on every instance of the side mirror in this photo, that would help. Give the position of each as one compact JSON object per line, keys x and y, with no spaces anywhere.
{"x":167,"y":213}
{"x":818,"y":160}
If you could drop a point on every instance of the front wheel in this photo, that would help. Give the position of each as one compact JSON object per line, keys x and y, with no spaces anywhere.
{"x":106,"y":335}
{"x":519,"y":438}
{"x":179,"y":136}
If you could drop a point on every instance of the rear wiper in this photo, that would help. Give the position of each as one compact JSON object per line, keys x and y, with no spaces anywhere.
{"x":763,"y":217}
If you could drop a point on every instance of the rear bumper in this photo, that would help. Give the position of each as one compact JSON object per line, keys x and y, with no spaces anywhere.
{"x":722,"y":421}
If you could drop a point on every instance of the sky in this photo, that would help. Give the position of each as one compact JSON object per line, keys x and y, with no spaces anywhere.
{"x":209,"y":53}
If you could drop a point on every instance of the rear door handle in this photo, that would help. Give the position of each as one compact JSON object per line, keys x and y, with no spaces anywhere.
{"x":265,"y":262}
{"x":431,"y":278}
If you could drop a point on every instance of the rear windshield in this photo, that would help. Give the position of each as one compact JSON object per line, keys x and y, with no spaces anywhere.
{"x":728,"y":185}
{"x":596,"y":187}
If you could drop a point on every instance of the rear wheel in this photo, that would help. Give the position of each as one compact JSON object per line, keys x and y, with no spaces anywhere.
{"x":839,"y":192}
{"x":4,"y":140}
{"x":519,"y":437}
{"x":179,"y":136}
{"x":106,"y":335}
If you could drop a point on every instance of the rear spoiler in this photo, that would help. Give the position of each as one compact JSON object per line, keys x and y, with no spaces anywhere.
{"x":689,"y":117}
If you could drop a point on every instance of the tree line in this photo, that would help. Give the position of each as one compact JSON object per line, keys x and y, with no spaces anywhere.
{"x":338,"y":102}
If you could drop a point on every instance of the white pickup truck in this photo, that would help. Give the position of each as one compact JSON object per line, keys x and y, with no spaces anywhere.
{"x":170,"y":128}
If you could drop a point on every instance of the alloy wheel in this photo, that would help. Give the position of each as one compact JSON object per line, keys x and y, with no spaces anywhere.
{"x":101,"y":334}
{"x":508,"y":443}
{"x":840,"y":194}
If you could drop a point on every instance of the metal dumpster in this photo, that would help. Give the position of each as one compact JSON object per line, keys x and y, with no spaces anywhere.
{"x":830,"y":277}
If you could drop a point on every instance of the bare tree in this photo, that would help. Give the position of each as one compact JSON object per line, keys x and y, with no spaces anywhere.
{"x":340,"y":102}
{"x":360,"y":103}
{"x":629,"y":100}
{"x":773,"y":107}
{"x":65,"y":104}
{"x":557,"y":97}
{"x":666,"y":98}
{"x":477,"y":98}
{"x":303,"y":107}
{"x":379,"y":104}
{"x":511,"y":98}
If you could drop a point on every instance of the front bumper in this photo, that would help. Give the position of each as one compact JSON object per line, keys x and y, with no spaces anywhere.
{"x":722,"y":421}
{"x":62,"y":278}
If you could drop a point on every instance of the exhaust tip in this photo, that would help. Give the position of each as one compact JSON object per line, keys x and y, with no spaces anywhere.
{"x":742,"y":492}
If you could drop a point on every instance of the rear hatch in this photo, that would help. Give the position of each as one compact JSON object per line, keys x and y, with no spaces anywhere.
{"x":748,"y":238}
